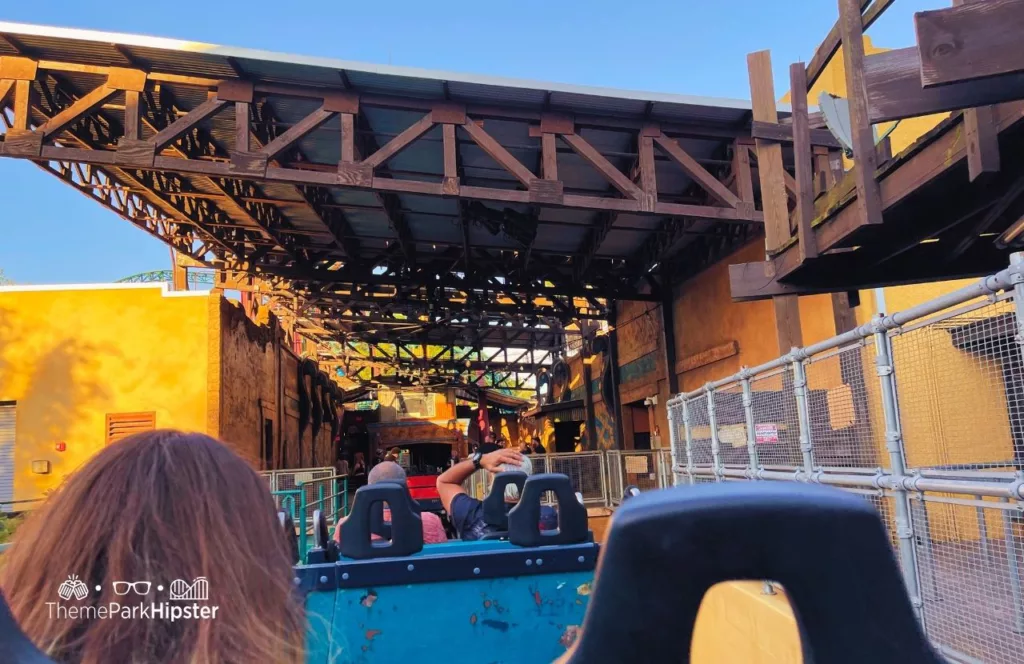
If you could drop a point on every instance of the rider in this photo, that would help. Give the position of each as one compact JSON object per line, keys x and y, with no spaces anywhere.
{"x":389,"y":471}
{"x":466,"y":512}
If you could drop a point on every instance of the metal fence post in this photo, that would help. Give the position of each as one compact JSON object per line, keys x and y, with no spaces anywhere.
{"x":603,"y":465}
{"x":1014,"y":571}
{"x":716,"y":456}
{"x":894,"y":446}
{"x":689,"y":441}
{"x":302,"y":521}
{"x":748,"y":416}
{"x":802,"y":410}
{"x":673,"y":441}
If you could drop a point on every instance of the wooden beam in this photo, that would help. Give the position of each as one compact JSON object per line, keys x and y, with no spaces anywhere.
{"x":982,"y":143}
{"x":700,"y":175}
{"x":82,"y":106}
{"x":132,"y":115}
{"x":498,"y":153}
{"x":970,"y":41}
{"x":616,"y":177}
{"x":5,"y":89}
{"x":774,"y":200}
{"x":400,"y":142}
{"x":830,"y":45}
{"x":348,"y":138}
{"x":186,"y":122}
{"x":741,"y":172}
{"x":450,"y":185}
{"x":802,"y":159}
{"x":22,"y":103}
{"x":549,"y":156}
{"x":869,"y":197}
{"x":893,"y":83}
{"x":645,"y":161}
{"x":787,"y":323}
{"x":296,"y":132}
{"x":784,"y":133}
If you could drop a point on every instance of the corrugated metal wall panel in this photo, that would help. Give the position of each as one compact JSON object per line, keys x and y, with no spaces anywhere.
{"x":7,"y":421}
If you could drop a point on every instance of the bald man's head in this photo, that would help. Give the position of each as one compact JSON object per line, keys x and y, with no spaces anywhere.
{"x":386,"y":471}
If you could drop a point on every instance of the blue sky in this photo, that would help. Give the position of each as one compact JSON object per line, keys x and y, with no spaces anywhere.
{"x":49,"y":233}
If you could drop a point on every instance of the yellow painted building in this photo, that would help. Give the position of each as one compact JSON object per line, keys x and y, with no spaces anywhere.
{"x":83,"y":366}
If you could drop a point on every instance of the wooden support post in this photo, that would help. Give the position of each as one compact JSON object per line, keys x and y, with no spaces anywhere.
{"x":348,"y":138}
{"x":773,"y":194}
{"x":807,"y":243}
{"x":588,"y":402}
{"x":132,"y":115}
{"x":450,"y":183}
{"x":869,"y":195}
{"x":774,"y":200}
{"x":615,"y":408}
{"x":982,"y":139}
{"x":549,"y":156}
{"x":742,"y":177}
{"x":668,"y":338}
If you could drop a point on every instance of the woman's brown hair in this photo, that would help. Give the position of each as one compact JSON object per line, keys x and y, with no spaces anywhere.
{"x":158,"y":507}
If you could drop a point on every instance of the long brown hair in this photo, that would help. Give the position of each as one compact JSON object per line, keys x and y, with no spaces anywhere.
{"x":158,"y":507}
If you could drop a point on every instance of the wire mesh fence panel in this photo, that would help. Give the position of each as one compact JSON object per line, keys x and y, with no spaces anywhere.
{"x":776,"y":424}
{"x":288,"y":480}
{"x":970,"y":558}
{"x":677,"y":432}
{"x":960,"y":386}
{"x":731,"y":425}
{"x":844,"y":411}
{"x":584,"y":470}
{"x":700,"y":431}
{"x":639,"y":468}
{"x":663,"y":459}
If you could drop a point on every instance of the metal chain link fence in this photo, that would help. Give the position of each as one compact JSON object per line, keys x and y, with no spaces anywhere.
{"x":921,"y":413}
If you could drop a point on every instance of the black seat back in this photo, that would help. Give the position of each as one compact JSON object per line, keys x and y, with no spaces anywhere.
{"x":17,"y":648}
{"x":406,"y":530}
{"x":288,"y":528}
{"x":826,"y":547}
{"x":381,"y":527}
{"x":524,"y":519}
{"x":495,"y":507}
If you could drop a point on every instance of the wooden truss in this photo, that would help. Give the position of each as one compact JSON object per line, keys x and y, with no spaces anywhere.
{"x":864,"y":227}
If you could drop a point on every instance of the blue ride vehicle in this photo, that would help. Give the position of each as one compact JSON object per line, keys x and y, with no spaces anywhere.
{"x":530,"y":596}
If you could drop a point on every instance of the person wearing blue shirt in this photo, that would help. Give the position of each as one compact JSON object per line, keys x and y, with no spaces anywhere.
{"x":467,"y":513}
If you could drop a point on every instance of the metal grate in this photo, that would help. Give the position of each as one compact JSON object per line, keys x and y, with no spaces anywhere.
{"x":121,"y":425}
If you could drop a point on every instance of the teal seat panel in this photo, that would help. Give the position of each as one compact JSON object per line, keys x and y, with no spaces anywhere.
{"x":512,"y":620}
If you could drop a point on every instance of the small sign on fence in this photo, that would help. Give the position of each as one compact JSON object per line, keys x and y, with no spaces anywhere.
{"x":636,"y":465}
{"x":766,"y":433}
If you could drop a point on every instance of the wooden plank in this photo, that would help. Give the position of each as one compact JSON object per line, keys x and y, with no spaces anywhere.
{"x":186,"y":122}
{"x":348,"y":137}
{"x":242,"y":132}
{"x":22,"y":101}
{"x":843,"y":315}
{"x":700,"y":175}
{"x":16,"y":68}
{"x":648,"y":177}
{"x":970,"y":41}
{"x":833,"y":40}
{"x":869,"y":197}
{"x":787,"y":323}
{"x":400,"y":142}
{"x":784,"y":133}
{"x":81,"y":107}
{"x":893,"y":83}
{"x":498,"y":153}
{"x":774,"y":200}
{"x":802,"y":159}
{"x":708,"y":356}
{"x":616,"y":177}
{"x":549,"y":156}
{"x":132,"y":115}
{"x":982,"y":144}
{"x":450,"y":183}
{"x":741,"y":172}
{"x":296,"y":132}
{"x":1009,"y":197}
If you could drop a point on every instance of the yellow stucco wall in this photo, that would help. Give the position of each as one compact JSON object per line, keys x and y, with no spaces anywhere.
{"x":736,"y":623}
{"x":70,"y":356}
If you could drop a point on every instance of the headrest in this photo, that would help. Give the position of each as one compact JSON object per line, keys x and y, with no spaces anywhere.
{"x":524,"y":519}
{"x":406,"y":536}
{"x":630,"y":491}
{"x":495,"y":508}
{"x":827,"y":548}
{"x":288,"y":528}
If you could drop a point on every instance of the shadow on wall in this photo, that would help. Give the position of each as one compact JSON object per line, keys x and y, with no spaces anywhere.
{"x":58,"y":388}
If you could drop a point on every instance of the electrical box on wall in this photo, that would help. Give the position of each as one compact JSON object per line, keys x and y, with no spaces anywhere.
{"x":41,"y":467}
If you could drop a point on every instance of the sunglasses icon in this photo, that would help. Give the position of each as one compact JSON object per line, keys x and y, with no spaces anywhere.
{"x":139,"y":587}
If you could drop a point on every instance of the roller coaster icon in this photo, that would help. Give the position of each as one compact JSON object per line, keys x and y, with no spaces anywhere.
{"x":183,"y":591}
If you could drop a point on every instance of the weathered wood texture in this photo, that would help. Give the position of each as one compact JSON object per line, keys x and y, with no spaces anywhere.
{"x":970,"y":41}
{"x":869,"y":198}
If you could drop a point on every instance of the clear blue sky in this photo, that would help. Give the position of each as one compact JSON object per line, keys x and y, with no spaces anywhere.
{"x":49,"y":233}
